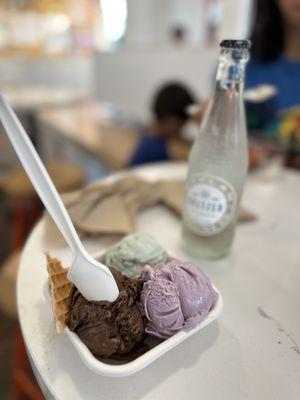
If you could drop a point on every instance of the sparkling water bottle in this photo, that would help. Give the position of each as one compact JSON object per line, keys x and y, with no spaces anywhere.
{"x":218,"y":161}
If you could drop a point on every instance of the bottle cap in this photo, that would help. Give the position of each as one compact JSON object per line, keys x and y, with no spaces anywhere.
{"x":236,"y":44}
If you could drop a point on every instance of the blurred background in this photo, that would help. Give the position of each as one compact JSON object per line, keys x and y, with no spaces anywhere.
{"x":90,"y":79}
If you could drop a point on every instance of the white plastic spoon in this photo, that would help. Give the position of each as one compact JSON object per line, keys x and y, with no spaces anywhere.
{"x":93,"y":279}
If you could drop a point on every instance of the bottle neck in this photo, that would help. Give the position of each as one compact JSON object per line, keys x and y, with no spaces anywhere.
{"x":231,"y":71}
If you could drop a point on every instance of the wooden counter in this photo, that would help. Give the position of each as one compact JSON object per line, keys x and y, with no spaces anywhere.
{"x":91,"y":126}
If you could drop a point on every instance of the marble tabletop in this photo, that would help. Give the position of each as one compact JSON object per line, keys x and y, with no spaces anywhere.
{"x":251,"y":352}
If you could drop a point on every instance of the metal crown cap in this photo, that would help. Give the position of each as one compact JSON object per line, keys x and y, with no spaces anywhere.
{"x":236,"y":44}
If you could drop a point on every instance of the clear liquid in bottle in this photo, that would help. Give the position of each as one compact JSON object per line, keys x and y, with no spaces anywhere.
{"x":218,"y":161}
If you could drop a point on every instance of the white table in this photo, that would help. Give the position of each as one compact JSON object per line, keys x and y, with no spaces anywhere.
{"x":251,"y":352}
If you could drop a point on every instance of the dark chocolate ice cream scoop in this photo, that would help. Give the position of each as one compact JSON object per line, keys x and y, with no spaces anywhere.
{"x":108,"y":329}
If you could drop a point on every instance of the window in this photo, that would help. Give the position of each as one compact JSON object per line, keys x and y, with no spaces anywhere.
{"x":114,"y":19}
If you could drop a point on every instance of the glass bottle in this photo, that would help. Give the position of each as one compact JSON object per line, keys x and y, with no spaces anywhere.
{"x":218,"y":161}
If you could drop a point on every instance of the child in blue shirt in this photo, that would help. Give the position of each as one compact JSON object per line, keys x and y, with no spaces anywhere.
{"x":169,"y":109}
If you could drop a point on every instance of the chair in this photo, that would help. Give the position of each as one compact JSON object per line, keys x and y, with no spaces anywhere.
{"x":22,"y":205}
{"x":22,"y":210}
{"x":22,"y":382}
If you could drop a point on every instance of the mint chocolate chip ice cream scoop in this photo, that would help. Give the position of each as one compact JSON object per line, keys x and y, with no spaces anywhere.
{"x":132,"y":253}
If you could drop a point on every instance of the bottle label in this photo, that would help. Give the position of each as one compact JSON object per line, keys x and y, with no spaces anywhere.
{"x":210,"y":204}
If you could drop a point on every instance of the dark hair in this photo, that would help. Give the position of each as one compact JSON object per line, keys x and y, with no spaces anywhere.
{"x":267,"y":32}
{"x":171,"y":100}
{"x":178,"y":32}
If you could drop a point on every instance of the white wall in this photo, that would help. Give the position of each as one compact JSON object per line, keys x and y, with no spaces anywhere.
{"x":150,"y":21}
{"x":191,"y":14}
{"x":129,"y":78}
{"x":146,"y":22}
{"x":236,"y":18}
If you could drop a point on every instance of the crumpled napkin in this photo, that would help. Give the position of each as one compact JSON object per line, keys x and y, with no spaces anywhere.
{"x":111,"y":207}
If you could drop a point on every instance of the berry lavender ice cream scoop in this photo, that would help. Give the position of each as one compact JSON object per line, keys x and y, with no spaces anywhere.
{"x":175,"y":296}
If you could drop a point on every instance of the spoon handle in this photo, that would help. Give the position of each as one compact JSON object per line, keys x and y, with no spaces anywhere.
{"x":38,"y":175}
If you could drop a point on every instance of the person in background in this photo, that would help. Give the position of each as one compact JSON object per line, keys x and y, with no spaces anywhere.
{"x":276,"y":62}
{"x":161,"y":140}
{"x":178,"y":35}
{"x":276,"y":49}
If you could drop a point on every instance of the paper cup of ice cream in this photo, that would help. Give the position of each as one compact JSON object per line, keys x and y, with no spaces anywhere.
{"x":162,"y":302}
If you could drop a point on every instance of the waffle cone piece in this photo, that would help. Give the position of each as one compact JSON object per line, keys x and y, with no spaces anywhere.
{"x":60,"y":288}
